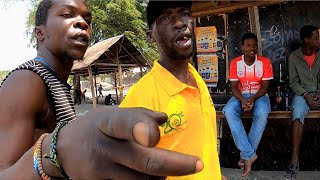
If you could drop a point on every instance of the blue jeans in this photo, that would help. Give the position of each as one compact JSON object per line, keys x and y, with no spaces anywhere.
{"x":247,"y":144}
{"x":300,"y":108}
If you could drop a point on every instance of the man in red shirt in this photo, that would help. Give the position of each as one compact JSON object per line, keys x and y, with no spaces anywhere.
{"x":250,"y":76}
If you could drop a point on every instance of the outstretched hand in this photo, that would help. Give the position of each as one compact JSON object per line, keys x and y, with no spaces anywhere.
{"x":118,"y":143}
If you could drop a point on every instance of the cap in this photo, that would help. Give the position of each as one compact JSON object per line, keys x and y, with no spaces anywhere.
{"x":156,"y":7}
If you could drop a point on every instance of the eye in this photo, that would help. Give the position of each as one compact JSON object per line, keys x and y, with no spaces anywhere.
{"x":88,"y":21}
{"x":185,"y":14}
{"x":67,"y":15}
{"x":164,"y":18}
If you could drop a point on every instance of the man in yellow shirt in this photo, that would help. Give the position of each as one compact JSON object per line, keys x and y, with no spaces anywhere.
{"x":173,"y":86}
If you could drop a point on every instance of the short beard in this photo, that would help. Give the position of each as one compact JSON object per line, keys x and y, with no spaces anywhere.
{"x":177,"y":56}
{"x":66,"y":58}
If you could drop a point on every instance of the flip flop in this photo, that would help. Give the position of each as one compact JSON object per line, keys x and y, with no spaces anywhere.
{"x":292,"y":171}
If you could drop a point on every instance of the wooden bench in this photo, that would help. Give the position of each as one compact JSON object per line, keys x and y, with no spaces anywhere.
{"x":272,"y":115}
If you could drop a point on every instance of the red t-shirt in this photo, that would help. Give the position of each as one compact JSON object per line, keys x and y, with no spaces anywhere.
{"x":250,"y":77}
{"x":310,"y":59}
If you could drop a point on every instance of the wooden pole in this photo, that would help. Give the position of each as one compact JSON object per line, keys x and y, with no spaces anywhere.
{"x":94,"y":102}
{"x":255,"y":25}
{"x":141,"y":73}
{"x":120,"y":71}
{"x":225,"y":18}
{"x":95,"y":86}
{"x":120,"y":82}
{"x":116,"y":86}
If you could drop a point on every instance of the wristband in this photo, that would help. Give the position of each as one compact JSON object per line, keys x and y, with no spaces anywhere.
{"x":53,"y":150}
{"x":37,"y":159}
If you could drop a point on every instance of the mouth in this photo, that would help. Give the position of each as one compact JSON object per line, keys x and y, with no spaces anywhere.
{"x":184,"y":40}
{"x":252,"y":53}
{"x":81,"y":39}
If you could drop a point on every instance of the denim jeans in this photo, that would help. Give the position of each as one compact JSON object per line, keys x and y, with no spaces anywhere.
{"x":300,"y":108}
{"x":247,"y":144}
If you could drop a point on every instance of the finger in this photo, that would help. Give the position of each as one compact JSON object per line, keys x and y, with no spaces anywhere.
{"x":119,"y":171}
{"x":157,"y":178}
{"x":153,"y":161}
{"x":134,"y":124}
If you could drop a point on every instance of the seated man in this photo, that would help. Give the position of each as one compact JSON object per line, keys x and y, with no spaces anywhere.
{"x":250,"y":75}
{"x":304,"y":68}
{"x":108,"y":100}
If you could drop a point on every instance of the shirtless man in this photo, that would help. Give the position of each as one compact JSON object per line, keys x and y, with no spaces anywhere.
{"x":107,"y":143}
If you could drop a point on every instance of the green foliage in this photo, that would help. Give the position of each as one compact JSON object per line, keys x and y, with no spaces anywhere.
{"x":3,"y":74}
{"x":111,"y":18}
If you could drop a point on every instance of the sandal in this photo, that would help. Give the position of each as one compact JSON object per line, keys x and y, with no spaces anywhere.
{"x":292,"y":171}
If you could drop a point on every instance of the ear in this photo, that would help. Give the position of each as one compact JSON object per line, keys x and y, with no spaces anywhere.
{"x":150,"y":36}
{"x":39,"y":33}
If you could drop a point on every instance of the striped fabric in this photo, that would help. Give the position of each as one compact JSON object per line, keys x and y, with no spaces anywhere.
{"x":59,"y":91}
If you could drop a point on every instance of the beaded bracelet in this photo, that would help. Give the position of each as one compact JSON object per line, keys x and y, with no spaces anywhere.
{"x":37,"y":158}
{"x":53,"y":149}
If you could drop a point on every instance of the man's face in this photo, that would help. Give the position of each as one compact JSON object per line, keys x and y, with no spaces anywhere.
{"x":67,"y":31}
{"x":250,"y":47}
{"x":314,"y":41}
{"x":173,"y":33}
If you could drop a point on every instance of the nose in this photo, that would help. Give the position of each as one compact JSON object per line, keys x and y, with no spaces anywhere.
{"x":178,"y":23}
{"x":81,"y":23}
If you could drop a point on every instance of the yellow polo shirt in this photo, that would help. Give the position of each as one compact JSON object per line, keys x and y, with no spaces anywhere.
{"x":191,"y":125}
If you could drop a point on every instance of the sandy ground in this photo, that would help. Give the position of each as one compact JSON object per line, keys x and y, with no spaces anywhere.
{"x":231,"y":174}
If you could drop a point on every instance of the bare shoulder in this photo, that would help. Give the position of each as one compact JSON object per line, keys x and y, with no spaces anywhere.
{"x":23,"y":87}
{"x":22,"y":96}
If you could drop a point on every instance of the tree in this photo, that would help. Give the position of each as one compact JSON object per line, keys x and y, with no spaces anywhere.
{"x":3,"y":75}
{"x":111,"y":18}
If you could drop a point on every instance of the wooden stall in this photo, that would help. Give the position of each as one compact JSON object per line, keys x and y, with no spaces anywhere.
{"x":113,"y":55}
{"x":277,"y":24}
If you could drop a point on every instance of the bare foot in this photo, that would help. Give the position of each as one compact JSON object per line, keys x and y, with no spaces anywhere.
{"x":241,"y":163}
{"x":248,"y":164}
{"x":223,"y":177}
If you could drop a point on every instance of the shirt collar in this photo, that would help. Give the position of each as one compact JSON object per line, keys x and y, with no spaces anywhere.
{"x":255,"y":60}
{"x":168,"y":81}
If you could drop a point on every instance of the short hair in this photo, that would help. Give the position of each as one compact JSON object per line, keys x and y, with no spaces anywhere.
{"x":306,"y":31}
{"x":41,"y":15}
{"x":248,"y":35}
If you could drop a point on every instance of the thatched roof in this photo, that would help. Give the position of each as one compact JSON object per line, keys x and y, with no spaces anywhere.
{"x":102,"y":56}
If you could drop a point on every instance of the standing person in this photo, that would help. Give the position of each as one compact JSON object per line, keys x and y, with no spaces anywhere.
{"x":250,"y":76}
{"x":304,"y":68}
{"x":173,"y":86}
{"x":77,"y":90}
{"x":83,"y":95}
{"x":110,"y":143}
{"x":100,"y":90}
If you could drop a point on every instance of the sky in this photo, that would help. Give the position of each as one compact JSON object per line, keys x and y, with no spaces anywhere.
{"x":14,"y":48}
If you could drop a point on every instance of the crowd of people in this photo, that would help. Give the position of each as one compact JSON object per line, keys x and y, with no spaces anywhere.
{"x":167,"y":134}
